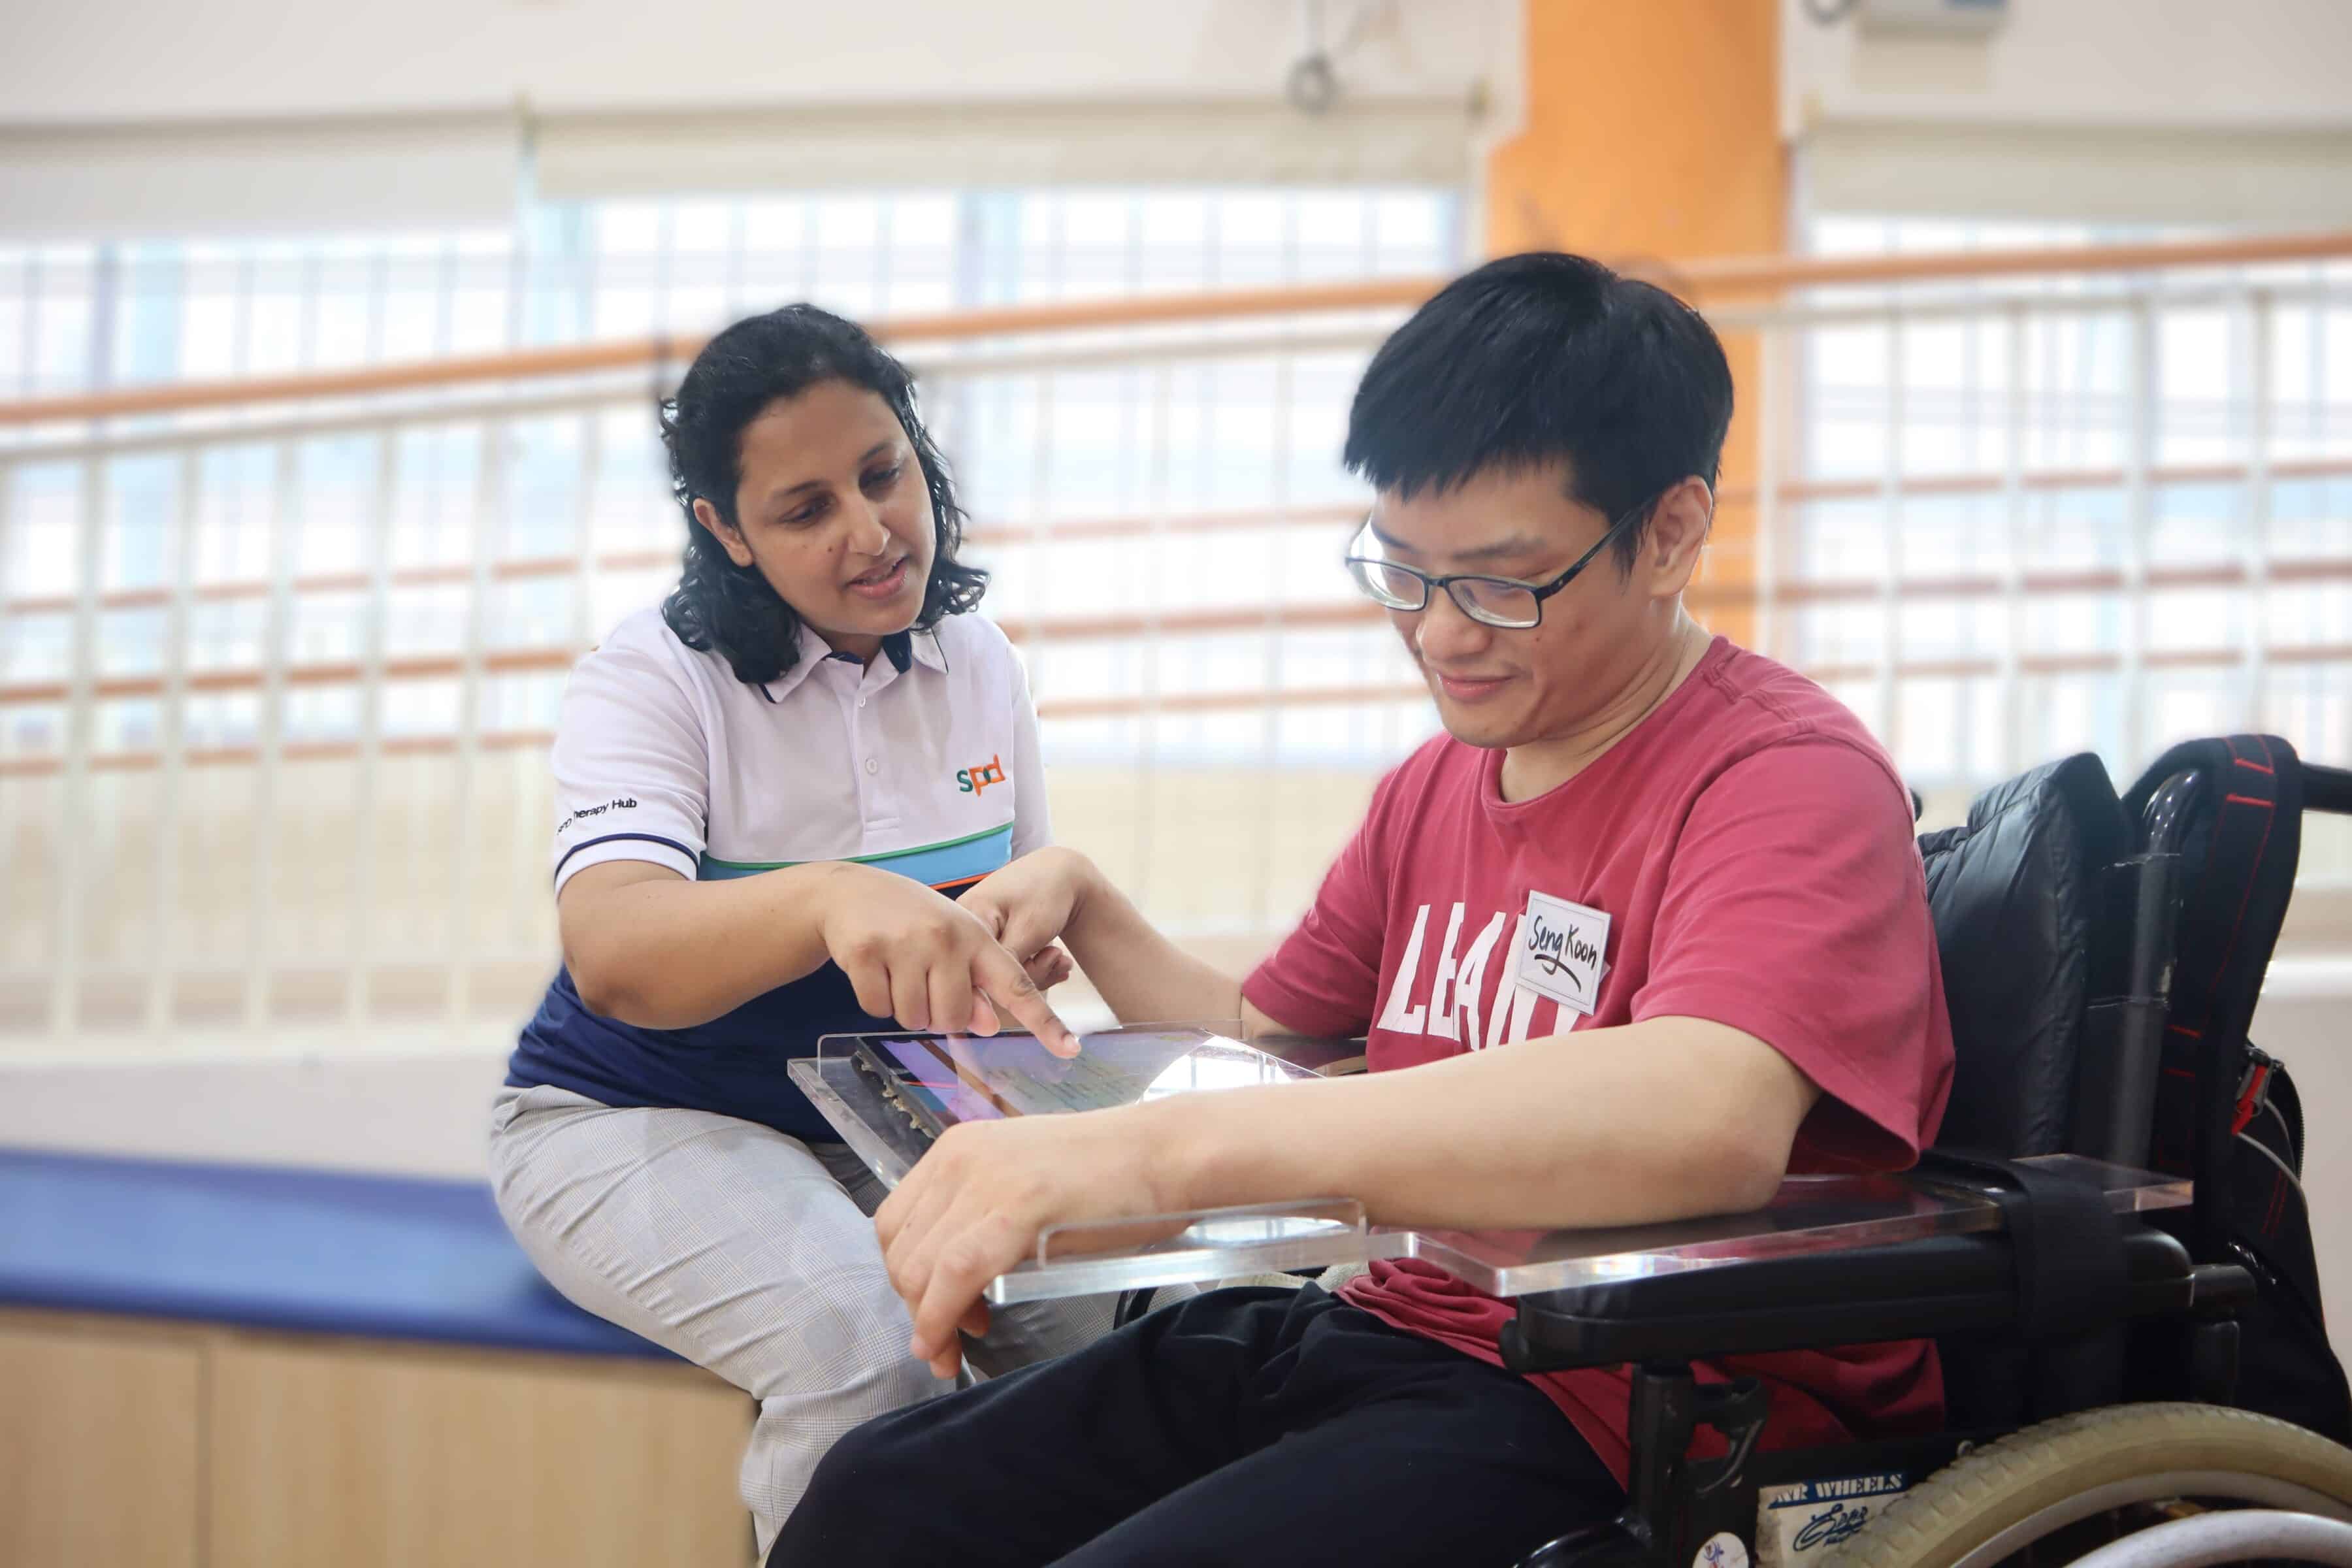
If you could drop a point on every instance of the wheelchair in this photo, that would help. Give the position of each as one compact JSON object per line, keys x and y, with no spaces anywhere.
{"x":2086,"y":1415}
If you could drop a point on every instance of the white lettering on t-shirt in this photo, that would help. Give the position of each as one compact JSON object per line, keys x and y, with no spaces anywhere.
{"x":1457,"y":1008}
{"x":1511,"y":1001}
{"x":1470,"y":987}
{"x":1441,"y":1000}
{"x":1396,"y":1017}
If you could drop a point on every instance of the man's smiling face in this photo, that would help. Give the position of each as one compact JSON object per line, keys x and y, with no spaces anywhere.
{"x":1497,"y":688}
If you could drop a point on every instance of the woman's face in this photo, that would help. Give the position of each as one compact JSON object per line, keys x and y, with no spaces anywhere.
{"x":834,"y":512}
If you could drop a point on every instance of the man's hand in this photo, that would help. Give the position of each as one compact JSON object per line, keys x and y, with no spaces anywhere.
{"x":1049,"y":968}
{"x":921,"y":958}
{"x":974,"y":1205}
{"x":1057,"y":894}
{"x":1033,"y":900}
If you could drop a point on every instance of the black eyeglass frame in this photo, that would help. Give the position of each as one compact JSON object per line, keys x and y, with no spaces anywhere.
{"x":1539,"y":591}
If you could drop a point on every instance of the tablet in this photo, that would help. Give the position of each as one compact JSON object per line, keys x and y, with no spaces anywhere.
{"x":938,"y":1081}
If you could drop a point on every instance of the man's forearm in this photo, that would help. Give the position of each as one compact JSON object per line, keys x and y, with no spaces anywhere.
{"x":1536,"y":1135}
{"x":1145,"y":977}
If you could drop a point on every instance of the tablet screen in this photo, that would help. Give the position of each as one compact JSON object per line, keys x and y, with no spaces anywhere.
{"x":970,"y":1078}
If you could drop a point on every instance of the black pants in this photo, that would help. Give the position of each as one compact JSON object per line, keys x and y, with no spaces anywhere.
{"x":1243,"y":1425}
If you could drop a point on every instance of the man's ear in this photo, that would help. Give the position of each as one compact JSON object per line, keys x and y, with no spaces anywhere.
{"x":1672,"y":544}
{"x":730,"y":537}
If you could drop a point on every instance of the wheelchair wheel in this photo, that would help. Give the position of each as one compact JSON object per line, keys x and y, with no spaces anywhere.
{"x":2071,"y":1484}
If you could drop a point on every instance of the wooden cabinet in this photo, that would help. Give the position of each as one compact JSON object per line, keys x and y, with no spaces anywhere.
{"x":362,"y":1455}
{"x":100,"y":1457}
{"x":129,"y":1443}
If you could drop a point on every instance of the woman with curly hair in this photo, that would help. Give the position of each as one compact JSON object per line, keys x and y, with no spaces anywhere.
{"x":769,"y":794}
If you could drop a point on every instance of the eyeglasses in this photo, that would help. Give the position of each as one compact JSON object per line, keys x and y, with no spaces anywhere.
{"x":1503,"y":602}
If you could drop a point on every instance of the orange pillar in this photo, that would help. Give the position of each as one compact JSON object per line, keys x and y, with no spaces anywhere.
{"x":1652,"y":136}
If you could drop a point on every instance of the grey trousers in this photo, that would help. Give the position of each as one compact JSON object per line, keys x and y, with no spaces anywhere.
{"x":746,"y":1252}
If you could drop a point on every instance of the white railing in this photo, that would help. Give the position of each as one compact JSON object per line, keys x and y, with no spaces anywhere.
{"x":278,"y":661}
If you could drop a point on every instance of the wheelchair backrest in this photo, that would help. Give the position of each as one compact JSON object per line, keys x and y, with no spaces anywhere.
{"x":2020,"y":901}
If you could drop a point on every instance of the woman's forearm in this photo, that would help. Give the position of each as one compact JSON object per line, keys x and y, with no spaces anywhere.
{"x":663,"y":952}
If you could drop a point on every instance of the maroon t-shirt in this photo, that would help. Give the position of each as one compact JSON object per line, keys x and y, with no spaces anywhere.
{"x":1750,"y":845}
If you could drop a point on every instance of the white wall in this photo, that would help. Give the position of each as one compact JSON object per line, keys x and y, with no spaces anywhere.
{"x":2197,"y":113}
{"x":421,"y":1115}
{"x":2241,"y":63}
{"x":150,"y":60}
{"x":136,"y":117}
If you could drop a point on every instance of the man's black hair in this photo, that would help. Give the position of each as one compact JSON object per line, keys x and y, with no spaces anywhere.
{"x":1543,"y":358}
{"x":718,"y":605}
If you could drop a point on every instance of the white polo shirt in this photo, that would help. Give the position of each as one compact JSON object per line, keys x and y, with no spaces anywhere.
{"x":663,"y":755}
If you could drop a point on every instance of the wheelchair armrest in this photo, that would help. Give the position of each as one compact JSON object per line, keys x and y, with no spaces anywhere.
{"x":1903,"y":1290}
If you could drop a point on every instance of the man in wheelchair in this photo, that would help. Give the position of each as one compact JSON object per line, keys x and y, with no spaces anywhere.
{"x":1690,"y":859}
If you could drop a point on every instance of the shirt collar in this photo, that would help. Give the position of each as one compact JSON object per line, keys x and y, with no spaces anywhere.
{"x":927,"y":652}
{"x":813,"y":651}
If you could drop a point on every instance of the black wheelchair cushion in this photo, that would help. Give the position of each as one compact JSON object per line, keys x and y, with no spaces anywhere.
{"x":2017,"y":901}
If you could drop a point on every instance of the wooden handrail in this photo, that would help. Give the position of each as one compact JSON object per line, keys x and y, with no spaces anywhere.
{"x":1748,"y":277}
{"x":1709,"y":281}
{"x":1002,"y":534}
{"x":1321,"y":615}
{"x":1244,"y":699}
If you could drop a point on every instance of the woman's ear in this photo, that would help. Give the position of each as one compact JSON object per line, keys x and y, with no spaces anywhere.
{"x":730,"y":537}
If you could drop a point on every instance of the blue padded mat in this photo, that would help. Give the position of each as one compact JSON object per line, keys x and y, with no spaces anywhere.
{"x":310,"y":1251}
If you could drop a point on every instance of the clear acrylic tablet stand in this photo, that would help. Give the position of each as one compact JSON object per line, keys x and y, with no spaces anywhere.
{"x":889,"y":1143}
{"x":1809,"y":1214}
{"x":1098,"y":1256}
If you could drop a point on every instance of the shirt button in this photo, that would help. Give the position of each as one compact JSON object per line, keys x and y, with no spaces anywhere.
{"x":872,"y":766}
{"x":861,"y":702}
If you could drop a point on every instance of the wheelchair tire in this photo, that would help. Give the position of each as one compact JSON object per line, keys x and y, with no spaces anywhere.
{"x":1996,"y":1500}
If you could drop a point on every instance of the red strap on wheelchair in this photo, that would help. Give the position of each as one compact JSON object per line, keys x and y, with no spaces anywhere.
{"x":2254,"y":1092}
{"x":2242,"y":873}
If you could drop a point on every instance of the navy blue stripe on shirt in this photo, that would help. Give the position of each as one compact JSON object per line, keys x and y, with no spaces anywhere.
{"x":609,"y":837}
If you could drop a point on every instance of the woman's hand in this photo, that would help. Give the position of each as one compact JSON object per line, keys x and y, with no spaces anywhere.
{"x":931,"y":964}
{"x":1035,"y":900}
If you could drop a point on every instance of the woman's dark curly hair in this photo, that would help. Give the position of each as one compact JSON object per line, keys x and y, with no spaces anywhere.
{"x":718,"y":605}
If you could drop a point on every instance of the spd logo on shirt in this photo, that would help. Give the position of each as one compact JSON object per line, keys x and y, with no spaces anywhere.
{"x":975,"y":780}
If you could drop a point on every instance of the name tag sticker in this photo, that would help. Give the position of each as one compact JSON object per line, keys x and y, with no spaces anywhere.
{"x":1565,"y":952}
